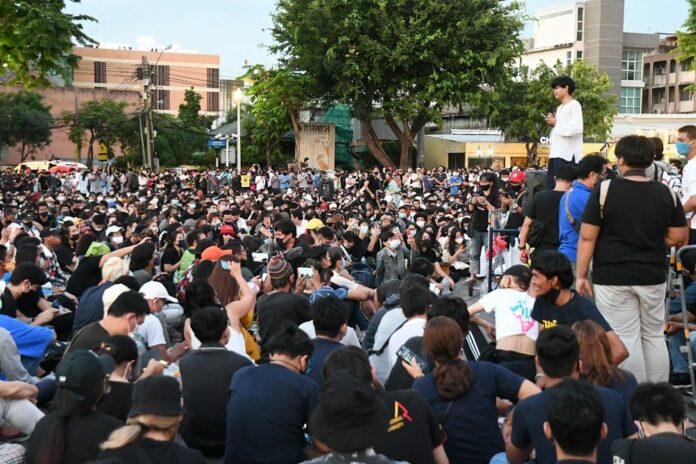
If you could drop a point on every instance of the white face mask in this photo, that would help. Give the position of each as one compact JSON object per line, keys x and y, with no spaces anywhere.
{"x":117,"y":239}
{"x":364,"y":229}
{"x":459,"y":240}
{"x":393,"y":244}
{"x":674,"y":171}
{"x":420,"y":224}
{"x":442,"y":241}
{"x":192,"y":205}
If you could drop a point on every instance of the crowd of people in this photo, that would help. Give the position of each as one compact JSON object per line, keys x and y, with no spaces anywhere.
{"x":180,"y":317}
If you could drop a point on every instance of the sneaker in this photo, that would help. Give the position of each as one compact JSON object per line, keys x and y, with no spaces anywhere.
{"x":680,"y":378}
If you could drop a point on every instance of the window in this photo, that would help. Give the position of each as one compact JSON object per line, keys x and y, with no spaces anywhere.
{"x":581,"y":23}
{"x":162,"y":100}
{"x":630,"y":100}
{"x":99,"y":72}
{"x":631,"y":65}
{"x":213,"y":101}
{"x":213,"y":78}
{"x":455,"y":160}
{"x":685,"y":94}
{"x":671,"y":94}
{"x":569,"y":57}
{"x":578,"y":55}
{"x":672,"y":66}
{"x":161,"y":76}
{"x":686,"y":65}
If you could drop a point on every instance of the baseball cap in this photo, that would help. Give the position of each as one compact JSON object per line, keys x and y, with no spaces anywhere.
{"x":214,"y":253}
{"x":81,"y":373}
{"x":47,"y":232}
{"x":517,"y":176}
{"x":153,"y":290}
{"x":315,"y":224}
{"x":112,"y":229}
{"x":227,"y":230}
{"x":157,"y":395}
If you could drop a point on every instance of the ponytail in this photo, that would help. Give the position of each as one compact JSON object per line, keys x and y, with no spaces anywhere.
{"x":136,"y":427}
{"x":443,"y":340}
{"x":453,"y":379}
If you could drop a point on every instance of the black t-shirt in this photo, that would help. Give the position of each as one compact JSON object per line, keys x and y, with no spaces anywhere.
{"x":9,"y":305}
{"x":479,"y":217}
{"x":206,"y":374}
{"x":275,"y":308}
{"x":577,"y":309}
{"x":399,"y":378}
{"x":28,"y":303}
{"x":663,"y":447}
{"x":164,"y":452}
{"x":118,"y":401}
{"x":630,"y":248}
{"x":544,"y":208}
{"x":413,"y":429}
{"x":83,"y":435}
{"x":89,"y":338}
{"x":87,"y":274}
{"x":170,"y":255}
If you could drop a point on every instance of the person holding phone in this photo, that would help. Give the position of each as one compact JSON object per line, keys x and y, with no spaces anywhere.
{"x":567,"y":129}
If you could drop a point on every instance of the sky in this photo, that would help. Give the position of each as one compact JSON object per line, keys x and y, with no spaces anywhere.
{"x":238,"y":30}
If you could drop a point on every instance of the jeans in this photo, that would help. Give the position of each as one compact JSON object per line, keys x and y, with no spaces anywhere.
{"x":680,"y":363}
{"x":478,"y":240}
{"x":552,"y":169}
{"x":636,"y":313}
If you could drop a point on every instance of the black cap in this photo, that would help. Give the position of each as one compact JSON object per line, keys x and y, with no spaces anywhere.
{"x":81,"y":373}
{"x":158,"y":395}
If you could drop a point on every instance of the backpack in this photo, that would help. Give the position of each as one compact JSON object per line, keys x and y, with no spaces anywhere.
{"x":604,"y":190}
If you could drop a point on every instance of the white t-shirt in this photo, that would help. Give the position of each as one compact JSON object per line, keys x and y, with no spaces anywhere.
{"x":412,"y":328}
{"x":349,"y":339}
{"x":150,"y":333}
{"x":566,"y":135}
{"x":688,"y":188}
{"x":513,"y":313}
{"x":235,"y":343}
{"x":388,"y":325}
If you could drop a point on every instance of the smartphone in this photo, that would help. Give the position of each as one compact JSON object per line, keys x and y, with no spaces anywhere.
{"x":225,"y":264}
{"x":543,"y":115}
{"x":259,"y":257}
{"x":410,"y":357}
{"x":263,"y":276}
{"x":305,"y":272}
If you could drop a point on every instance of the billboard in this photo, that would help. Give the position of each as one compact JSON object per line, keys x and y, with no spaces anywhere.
{"x":318,"y":143}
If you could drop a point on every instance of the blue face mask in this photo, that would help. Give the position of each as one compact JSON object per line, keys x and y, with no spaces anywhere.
{"x":683,"y":148}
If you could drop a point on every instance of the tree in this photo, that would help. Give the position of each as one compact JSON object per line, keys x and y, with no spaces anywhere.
{"x":26,"y":121}
{"x":36,"y":39}
{"x":276,"y":97}
{"x":516,"y":108}
{"x":403,"y":59}
{"x":687,"y":39}
{"x":103,"y":121}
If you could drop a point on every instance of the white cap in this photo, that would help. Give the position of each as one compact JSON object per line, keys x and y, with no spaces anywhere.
{"x":112,"y":229}
{"x":110,"y":295}
{"x":152,"y":290}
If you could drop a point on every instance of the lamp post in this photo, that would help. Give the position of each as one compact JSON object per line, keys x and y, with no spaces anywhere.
{"x":237,"y":99}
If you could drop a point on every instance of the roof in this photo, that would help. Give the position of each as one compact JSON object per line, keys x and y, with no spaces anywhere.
{"x":487,"y":136}
{"x":227,"y":129}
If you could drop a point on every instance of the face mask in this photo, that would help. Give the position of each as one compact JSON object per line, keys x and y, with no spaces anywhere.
{"x":280,"y":244}
{"x":443,"y":241}
{"x":175,"y":202}
{"x":142,"y":199}
{"x":117,"y":240}
{"x":364,"y":229}
{"x":683,"y":148}
{"x":192,"y":205}
{"x":459,"y":241}
{"x":131,"y":332}
{"x":393,"y":244}
{"x":427,"y":243}
{"x":420,"y":224}
{"x":215,"y":223}
{"x":61,"y":199}
{"x":43,"y":213}
{"x":674,"y":171}
{"x":182,"y":243}
{"x":504,"y":179}
{"x":485,"y":186}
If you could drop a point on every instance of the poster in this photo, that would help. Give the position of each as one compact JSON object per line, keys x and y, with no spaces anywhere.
{"x":318,"y":143}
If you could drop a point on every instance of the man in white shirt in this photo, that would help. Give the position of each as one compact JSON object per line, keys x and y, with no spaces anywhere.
{"x":150,"y":334}
{"x":566,"y":135}
{"x":687,"y":148}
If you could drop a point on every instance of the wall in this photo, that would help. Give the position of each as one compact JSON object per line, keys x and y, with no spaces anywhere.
{"x":67,"y":99}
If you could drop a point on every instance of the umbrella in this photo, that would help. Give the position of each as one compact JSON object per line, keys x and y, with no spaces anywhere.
{"x":60,"y":168}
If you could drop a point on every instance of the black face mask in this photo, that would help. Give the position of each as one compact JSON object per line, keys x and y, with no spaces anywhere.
{"x":280,"y":244}
{"x":182,"y":243}
{"x":516,"y":188}
{"x":426,"y":244}
{"x":43,"y":213}
{"x":485,"y":186}
{"x":551,"y":296}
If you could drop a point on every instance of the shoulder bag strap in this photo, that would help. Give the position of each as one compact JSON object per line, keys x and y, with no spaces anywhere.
{"x":386,"y":342}
{"x":603,"y":191}
{"x":572,"y":220}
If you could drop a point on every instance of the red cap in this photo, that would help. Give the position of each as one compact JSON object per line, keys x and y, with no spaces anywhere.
{"x":517,"y":176}
{"x":227,"y":230}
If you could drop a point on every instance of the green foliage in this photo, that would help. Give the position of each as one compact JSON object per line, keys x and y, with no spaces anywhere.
{"x":516,"y":108}
{"x":687,"y":39}
{"x":409,"y":57}
{"x":101,"y":121}
{"x":36,"y":39}
{"x":275,"y":97}
{"x":176,"y":141}
{"x":24,"y":120}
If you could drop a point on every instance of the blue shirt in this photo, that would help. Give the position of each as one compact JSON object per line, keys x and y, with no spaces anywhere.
{"x":284,"y":181}
{"x":567,"y":235}
{"x":471,"y":426}
{"x":91,"y":306}
{"x":266,"y":412}
{"x":322,"y":348}
{"x":530,"y":414}
{"x":689,"y":296}
{"x":454,"y":189}
{"x":323,"y":292}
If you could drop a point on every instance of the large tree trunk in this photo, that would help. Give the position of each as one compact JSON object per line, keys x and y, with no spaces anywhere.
{"x":90,"y":152}
{"x":373,"y":143}
{"x":24,"y":153}
{"x":532,"y":153}
{"x":267,"y":149}
{"x":295,"y":119}
{"x":405,"y":140}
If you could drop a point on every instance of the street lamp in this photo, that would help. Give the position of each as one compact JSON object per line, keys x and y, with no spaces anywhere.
{"x":237,"y":99}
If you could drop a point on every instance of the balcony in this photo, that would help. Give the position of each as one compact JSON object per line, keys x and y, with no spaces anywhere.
{"x":687,"y":77}
{"x":659,"y":80}
{"x":686,"y":107}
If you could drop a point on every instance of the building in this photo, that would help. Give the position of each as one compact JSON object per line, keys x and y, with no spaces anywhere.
{"x":173,"y":73}
{"x":67,"y":99}
{"x":666,"y":80}
{"x":592,"y":30}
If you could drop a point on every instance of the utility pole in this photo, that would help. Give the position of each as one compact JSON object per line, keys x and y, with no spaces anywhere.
{"x":147,"y":95}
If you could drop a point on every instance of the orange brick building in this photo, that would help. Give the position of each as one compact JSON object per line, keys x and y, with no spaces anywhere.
{"x":115,"y":70}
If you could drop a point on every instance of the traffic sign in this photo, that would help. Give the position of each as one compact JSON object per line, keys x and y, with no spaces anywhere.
{"x":214,"y":143}
{"x":103,"y":153}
